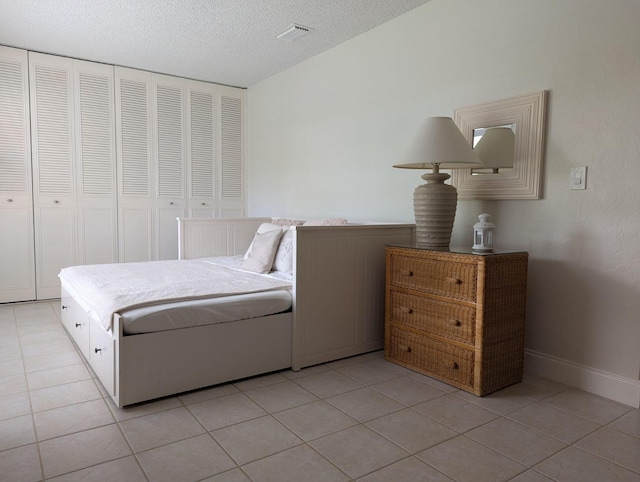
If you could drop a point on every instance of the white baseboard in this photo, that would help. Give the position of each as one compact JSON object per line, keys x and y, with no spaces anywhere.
{"x":614,"y":387}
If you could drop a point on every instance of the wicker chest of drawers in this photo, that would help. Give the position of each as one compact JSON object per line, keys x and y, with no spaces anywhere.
{"x":458,"y":317}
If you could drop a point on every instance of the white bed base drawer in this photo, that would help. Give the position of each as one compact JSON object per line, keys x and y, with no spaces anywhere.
{"x":76,"y":322}
{"x":102,"y":355}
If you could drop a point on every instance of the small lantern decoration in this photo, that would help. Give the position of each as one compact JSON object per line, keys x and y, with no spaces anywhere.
{"x":483,"y":232}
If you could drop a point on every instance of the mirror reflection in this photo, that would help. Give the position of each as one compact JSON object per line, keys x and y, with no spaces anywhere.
{"x":494,"y":146}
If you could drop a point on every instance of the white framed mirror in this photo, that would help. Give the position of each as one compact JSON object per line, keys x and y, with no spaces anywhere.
{"x":520,"y":124}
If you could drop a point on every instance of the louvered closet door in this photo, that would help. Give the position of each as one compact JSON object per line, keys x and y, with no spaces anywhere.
{"x":135,"y":171}
{"x":203,"y":141}
{"x":170,"y":155}
{"x":53,"y":173}
{"x":96,"y":163}
{"x":231,"y":201}
{"x":17,"y":265}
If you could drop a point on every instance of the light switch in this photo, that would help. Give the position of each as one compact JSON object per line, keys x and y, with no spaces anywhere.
{"x":579,"y":177}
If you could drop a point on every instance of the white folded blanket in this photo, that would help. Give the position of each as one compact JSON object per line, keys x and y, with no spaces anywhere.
{"x":105,"y":289}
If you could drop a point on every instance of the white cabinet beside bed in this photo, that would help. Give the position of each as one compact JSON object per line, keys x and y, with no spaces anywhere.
{"x":337,"y":311}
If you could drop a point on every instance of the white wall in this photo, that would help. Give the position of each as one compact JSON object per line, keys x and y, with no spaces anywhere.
{"x":324,"y":134}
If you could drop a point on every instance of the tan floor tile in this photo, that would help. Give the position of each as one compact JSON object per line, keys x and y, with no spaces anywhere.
{"x":531,"y":476}
{"x":282,"y":396}
{"x":14,"y":405}
{"x":255,"y":439}
{"x":13,"y":384}
{"x":587,"y":405}
{"x":305,"y":372}
{"x":235,"y":475}
{"x":150,"y":431}
{"x":48,"y":348}
{"x":617,"y":447}
{"x":224,"y":411}
{"x":575,"y":464}
{"x":57,"y":376}
{"x":358,"y":450}
{"x":62,"y":395}
{"x":11,"y":367}
{"x":84,"y":449}
{"x":301,"y":463}
{"x":370,"y":372}
{"x":21,"y":464}
{"x":329,"y":383}
{"x":365,"y":404}
{"x":456,"y":413}
{"x":54,"y":360}
{"x":522,"y":444}
{"x":315,"y":420}
{"x":15,"y":432}
{"x":411,"y":430}
{"x":10,"y":351}
{"x":199,"y":457}
{"x":554,"y":422}
{"x":142,"y":409}
{"x":72,"y":418}
{"x":260,"y":381}
{"x":125,"y":469}
{"x":464,"y":460}
{"x":408,"y":391}
{"x":208,"y":393}
{"x":501,"y":402}
{"x":629,"y":424}
{"x":410,"y":469}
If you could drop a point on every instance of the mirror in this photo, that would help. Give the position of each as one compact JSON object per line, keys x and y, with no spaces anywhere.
{"x":508,"y":136}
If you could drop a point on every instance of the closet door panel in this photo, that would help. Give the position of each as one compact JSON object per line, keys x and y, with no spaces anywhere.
{"x":203,"y":141}
{"x":56,"y":246}
{"x":231,"y":199}
{"x":17,"y":257}
{"x":53,"y":169}
{"x":170,"y":142}
{"x":96,"y":167}
{"x":135,"y":168}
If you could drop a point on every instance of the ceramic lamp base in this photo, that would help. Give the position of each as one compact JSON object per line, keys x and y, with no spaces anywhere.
{"x":434,"y":206}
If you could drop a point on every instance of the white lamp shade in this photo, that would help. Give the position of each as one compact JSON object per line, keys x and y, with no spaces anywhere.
{"x":439,"y":141}
{"x":495,"y":148}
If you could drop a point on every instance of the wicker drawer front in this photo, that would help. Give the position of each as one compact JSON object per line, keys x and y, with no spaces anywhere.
{"x":449,"y":320}
{"x":450,"y":279}
{"x":447,"y":361}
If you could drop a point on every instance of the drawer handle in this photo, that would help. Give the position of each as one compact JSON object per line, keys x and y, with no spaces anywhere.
{"x":65,"y":307}
{"x":78,"y":325}
{"x":455,"y":323}
{"x":97,"y":350}
{"x":454,"y":365}
{"x":405,"y":309}
{"x":454,"y":281}
{"x":406,"y":272}
{"x":9,"y":200}
{"x":406,"y":348}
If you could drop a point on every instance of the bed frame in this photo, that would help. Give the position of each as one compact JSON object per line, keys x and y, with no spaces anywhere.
{"x":338,"y":311}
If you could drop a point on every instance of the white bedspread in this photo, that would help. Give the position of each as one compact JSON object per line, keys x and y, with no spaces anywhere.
{"x":104,"y":289}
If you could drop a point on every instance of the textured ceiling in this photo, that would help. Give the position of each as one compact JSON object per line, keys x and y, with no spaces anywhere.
{"x":229,"y":42}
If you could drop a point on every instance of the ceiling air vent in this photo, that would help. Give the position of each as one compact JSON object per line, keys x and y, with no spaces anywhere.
{"x":293,"y":32}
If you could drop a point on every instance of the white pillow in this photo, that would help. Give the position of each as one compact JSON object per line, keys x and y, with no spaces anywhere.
{"x":325,"y":222}
{"x":263,"y":228}
{"x":263,"y":250}
{"x":284,"y":254}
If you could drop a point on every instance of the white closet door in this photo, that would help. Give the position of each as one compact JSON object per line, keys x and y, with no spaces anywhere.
{"x":170,"y":153}
{"x":17,"y":264}
{"x":96,"y":166}
{"x":135,"y":168}
{"x":231,"y":188}
{"x":203,"y":103}
{"x":53,"y":169}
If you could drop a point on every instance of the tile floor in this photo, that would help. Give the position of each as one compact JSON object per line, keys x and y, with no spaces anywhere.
{"x":355,"y":419}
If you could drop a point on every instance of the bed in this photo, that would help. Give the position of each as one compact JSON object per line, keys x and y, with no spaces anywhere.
{"x":329,"y":306}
